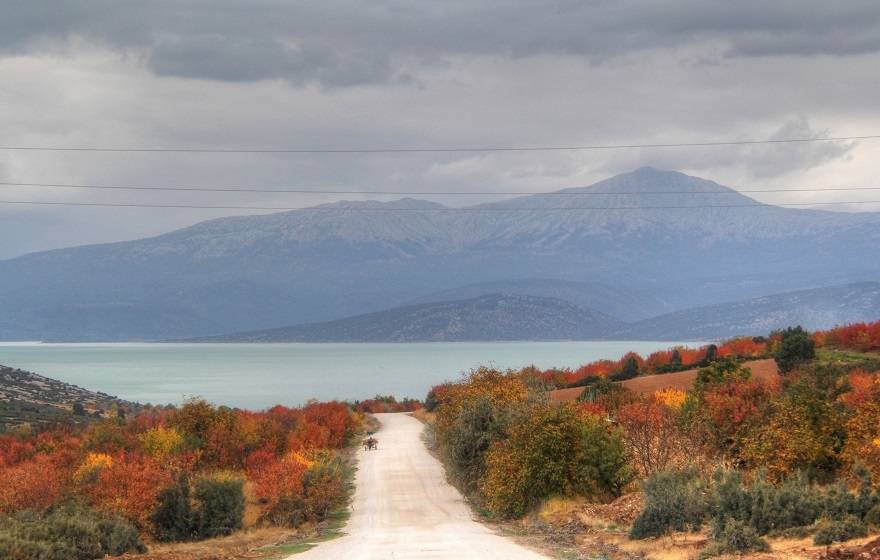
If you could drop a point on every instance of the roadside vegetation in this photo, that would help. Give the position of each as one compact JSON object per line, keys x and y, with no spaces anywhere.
{"x":166,"y":475}
{"x":738,"y":462}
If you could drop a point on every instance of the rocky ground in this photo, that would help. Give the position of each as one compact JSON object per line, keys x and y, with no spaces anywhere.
{"x":29,"y":398}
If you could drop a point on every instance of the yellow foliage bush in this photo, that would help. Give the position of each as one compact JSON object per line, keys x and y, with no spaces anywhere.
{"x":672,"y":398}
{"x":162,"y":442}
{"x":92,"y":466}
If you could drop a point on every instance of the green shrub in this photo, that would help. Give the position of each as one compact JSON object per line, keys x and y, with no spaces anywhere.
{"x":872,"y":518}
{"x":765,"y":507}
{"x":553,"y":450}
{"x":673,"y":502}
{"x":839,"y":530}
{"x":174,"y":518}
{"x":736,"y":537}
{"x":221,"y":505}
{"x":795,"y":348}
{"x":794,"y":503}
{"x":629,"y":370}
{"x":71,"y":532}
{"x":325,"y":488}
{"x":480,"y":423}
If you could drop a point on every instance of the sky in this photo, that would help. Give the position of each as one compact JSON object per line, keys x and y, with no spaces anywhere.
{"x":335,"y":74}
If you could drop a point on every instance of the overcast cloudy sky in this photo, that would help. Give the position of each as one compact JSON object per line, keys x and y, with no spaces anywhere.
{"x":341,"y":74}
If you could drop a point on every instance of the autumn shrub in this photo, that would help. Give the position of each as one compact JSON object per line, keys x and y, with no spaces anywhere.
{"x":861,"y":337}
{"x":220,"y":505}
{"x":608,"y":395}
{"x":723,"y":415}
{"x":736,"y":537}
{"x":650,"y":430}
{"x":725,"y":370}
{"x":841,"y":529}
{"x":278,"y":482}
{"x":502,"y":389}
{"x":129,"y":487}
{"x":325,"y":487}
{"x":479,"y":424}
{"x":35,"y":484}
{"x":553,"y":450}
{"x":388,"y":403}
{"x":674,"y":501}
{"x":803,"y":430}
{"x":862,"y":444}
{"x":71,"y":532}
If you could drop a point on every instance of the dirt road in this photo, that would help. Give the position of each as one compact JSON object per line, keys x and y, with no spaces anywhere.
{"x":404,"y":509}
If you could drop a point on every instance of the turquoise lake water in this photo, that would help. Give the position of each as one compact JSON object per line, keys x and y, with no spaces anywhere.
{"x":261,"y":375}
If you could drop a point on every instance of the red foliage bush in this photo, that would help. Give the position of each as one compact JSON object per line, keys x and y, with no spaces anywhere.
{"x":129,"y":487}
{"x":862,"y":337}
{"x":278,"y":482}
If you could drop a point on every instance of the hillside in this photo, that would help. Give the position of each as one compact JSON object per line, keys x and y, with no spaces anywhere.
{"x":763,"y":370}
{"x":814,"y":309}
{"x":489,"y":317}
{"x":349,"y":258}
{"x":619,"y":302}
{"x":27,"y":397}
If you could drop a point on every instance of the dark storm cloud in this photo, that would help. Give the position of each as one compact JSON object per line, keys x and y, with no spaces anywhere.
{"x":343,"y":43}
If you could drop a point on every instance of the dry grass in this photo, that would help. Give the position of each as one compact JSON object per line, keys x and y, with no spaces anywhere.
{"x":556,"y":511}
{"x":764,"y":370}
{"x":424,"y":416}
{"x":239,"y":546}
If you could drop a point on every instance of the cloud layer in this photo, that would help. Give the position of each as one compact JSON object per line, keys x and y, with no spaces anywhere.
{"x":396,"y":73}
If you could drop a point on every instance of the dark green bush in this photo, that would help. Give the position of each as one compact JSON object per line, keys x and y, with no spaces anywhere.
{"x":215,"y":509}
{"x":736,"y":537}
{"x":173,"y":518}
{"x":795,"y":348}
{"x":872,"y":518}
{"x":221,"y":506}
{"x":479,"y":424}
{"x":71,"y":532}
{"x":794,"y":503}
{"x":674,"y":501}
{"x":630,"y":370}
{"x":839,"y":530}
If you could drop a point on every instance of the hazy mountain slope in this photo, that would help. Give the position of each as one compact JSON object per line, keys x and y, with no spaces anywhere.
{"x":624,"y":304}
{"x":343,"y":259}
{"x":488,"y":317}
{"x":819,"y":308}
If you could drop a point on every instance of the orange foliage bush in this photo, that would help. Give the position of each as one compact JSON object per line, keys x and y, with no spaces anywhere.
{"x":129,"y":487}
{"x":33,"y":484}
{"x":278,"y":482}
{"x":122,"y":466}
{"x":862,"y":337}
{"x":651,"y":434}
{"x":742,"y":347}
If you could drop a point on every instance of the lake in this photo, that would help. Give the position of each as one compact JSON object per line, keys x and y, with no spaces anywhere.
{"x":260,"y":375}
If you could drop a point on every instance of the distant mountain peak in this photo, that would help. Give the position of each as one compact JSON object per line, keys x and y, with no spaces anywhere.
{"x":407,"y":203}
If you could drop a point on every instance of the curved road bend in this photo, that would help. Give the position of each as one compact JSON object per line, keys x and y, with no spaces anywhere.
{"x":403,"y":508}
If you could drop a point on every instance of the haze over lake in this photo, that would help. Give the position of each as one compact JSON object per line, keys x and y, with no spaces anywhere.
{"x":261,"y":375}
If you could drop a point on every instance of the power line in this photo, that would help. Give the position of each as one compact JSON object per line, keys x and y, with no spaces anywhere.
{"x":400,"y":150}
{"x":466,"y":209}
{"x":245,"y":189}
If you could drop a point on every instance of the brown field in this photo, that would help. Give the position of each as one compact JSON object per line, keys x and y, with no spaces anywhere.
{"x":764,"y":370}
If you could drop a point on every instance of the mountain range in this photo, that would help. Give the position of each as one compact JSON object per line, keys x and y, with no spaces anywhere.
{"x":635,"y":246}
